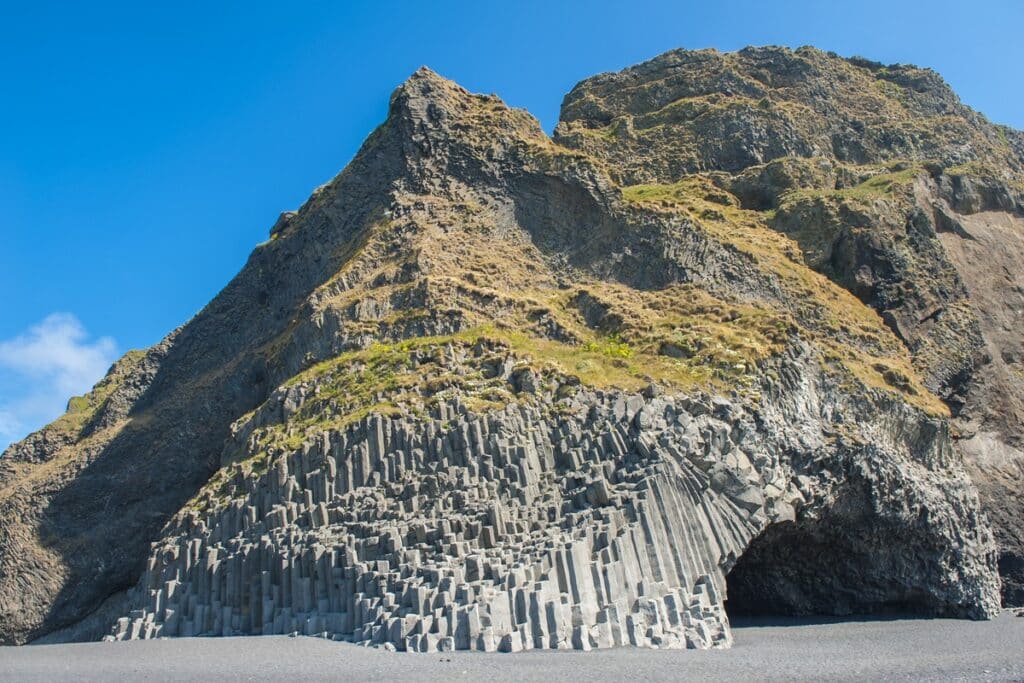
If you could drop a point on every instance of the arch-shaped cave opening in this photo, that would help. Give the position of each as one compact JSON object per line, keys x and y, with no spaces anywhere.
{"x":831,"y":568}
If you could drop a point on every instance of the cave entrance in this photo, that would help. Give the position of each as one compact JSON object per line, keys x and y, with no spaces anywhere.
{"x":774,"y":576}
{"x":826,"y":569}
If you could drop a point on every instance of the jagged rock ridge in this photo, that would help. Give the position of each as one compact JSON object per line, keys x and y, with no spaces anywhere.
{"x":484,"y":390}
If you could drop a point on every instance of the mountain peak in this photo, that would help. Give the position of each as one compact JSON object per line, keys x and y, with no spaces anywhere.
{"x":425,"y":94}
{"x":435,"y":118}
{"x":427,"y":82}
{"x":691,"y":111}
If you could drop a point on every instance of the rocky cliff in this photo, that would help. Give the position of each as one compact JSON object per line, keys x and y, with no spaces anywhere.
{"x":489,"y":389}
{"x":890,"y":186}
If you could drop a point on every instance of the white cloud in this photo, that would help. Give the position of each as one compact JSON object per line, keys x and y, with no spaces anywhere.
{"x":45,"y":366}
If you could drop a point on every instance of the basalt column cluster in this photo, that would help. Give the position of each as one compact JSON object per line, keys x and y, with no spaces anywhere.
{"x":502,"y":531}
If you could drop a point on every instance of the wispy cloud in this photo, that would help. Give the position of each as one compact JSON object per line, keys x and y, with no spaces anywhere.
{"x":42,"y":368}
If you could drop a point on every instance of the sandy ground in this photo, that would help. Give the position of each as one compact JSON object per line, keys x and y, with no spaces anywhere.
{"x":904,"y":649}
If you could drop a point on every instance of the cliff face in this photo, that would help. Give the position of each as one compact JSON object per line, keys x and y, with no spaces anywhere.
{"x":487,"y":389}
{"x":889,"y":185}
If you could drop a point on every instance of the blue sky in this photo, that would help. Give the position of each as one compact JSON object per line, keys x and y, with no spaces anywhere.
{"x":145,"y":148}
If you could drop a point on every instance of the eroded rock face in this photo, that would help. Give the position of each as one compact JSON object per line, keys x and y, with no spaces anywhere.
{"x":477,"y":392}
{"x":986,"y":248}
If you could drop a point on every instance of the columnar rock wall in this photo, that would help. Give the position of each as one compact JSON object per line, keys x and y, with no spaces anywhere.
{"x":493,"y":533}
{"x":599,"y":520}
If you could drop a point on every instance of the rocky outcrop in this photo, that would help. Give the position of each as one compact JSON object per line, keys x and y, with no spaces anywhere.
{"x":692,"y":111}
{"x":875,"y":171}
{"x":478,"y":392}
